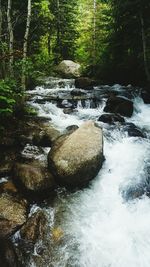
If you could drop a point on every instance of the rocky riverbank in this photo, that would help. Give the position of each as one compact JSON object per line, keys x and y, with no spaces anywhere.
{"x":39,"y":156}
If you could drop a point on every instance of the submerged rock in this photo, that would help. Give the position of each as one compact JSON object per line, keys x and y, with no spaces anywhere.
{"x":120,"y":105}
{"x":133,"y":130}
{"x":68,"y":69}
{"x":68,"y":110}
{"x":133,"y":192}
{"x":77,"y":158}
{"x":77,"y":92}
{"x":13,"y":213}
{"x":33,"y":177}
{"x":34,"y":228}
{"x":111,"y":118}
{"x":85,"y":83}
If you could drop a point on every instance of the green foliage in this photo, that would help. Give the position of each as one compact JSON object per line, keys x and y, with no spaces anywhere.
{"x":28,"y":110}
{"x":64,"y":28}
{"x":7,"y":97}
{"x":105,"y":36}
{"x":24,"y":66}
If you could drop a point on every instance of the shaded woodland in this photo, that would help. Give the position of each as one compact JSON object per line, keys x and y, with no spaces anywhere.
{"x":110,"y":39}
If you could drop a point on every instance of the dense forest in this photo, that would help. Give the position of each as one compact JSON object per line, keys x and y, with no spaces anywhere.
{"x":111,"y":39}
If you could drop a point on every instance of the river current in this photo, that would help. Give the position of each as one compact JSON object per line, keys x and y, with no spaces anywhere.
{"x":102,"y":225}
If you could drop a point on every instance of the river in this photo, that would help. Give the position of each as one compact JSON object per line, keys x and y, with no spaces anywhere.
{"x":102,"y":225}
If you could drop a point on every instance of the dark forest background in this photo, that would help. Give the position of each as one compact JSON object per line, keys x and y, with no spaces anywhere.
{"x":109,"y":38}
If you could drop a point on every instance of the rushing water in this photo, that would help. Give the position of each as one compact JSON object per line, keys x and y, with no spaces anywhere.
{"x":101,"y":226}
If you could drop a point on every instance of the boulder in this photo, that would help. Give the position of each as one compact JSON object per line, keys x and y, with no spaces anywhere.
{"x":77,"y":92}
{"x":133,"y":192}
{"x":34,"y":228}
{"x":77,"y":157}
{"x":120,"y":105}
{"x":68,"y":69}
{"x":85,"y":83}
{"x":13,"y":213}
{"x":68,"y":110}
{"x":8,"y":256}
{"x":145,"y":94}
{"x":111,"y":118}
{"x":8,"y":187}
{"x":33,"y":177}
{"x":46,"y":137}
{"x":133,"y":130}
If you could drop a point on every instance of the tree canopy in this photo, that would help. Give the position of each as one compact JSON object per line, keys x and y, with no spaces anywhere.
{"x":110,"y":38}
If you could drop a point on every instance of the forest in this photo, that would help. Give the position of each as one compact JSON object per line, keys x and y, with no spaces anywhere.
{"x":74,"y":133}
{"x":110,"y":39}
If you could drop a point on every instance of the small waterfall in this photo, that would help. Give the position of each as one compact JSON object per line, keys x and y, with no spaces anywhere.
{"x":103,"y":225}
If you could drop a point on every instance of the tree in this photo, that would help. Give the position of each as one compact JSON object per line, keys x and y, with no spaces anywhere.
{"x":25,"y":44}
{"x":64,"y":28}
{"x":130,"y":40}
{"x":11,"y":37}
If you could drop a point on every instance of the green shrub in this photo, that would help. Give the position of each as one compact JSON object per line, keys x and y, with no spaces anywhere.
{"x":8,"y":94}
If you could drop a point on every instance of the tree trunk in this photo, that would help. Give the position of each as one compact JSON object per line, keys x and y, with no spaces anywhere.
{"x":11,"y":36}
{"x":1,"y":20}
{"x":147,"y":72}
{"x":94,"y":31}
{"x":25,"y":44}
{"x":58,"y":32}
{"x":49,"y":44}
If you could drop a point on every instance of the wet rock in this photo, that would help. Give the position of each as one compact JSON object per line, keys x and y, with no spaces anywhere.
{"x":5,"y":168}
{"x":34,"y":229}
{"x":64,"y":104}
{"x":46,"y":137}
{"x":133,"y":130}
{"x":7,"y":158}
{"x":8,"y":256}
{"x":68,"y":110}
{"x":13,"y":213}
{"x":33,"y":177}
{"x":72,"y":128}
{"x":37,"y":119}
{"x":68,"y":69}
{"x":57,"y":234}
{"x":85,"y":83}
{"x":8,"y":187}
{"x":133,"y":192}
{"x":22,"y":140}
{"x":77,"y":92}
{"x":145,"y":94}
{"x":111,"y":118}
{"x":76,"y":158}
{"x":7,"y":142}
{"x":120,"y":105}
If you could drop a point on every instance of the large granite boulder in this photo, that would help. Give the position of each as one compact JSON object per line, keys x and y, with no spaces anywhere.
{"x":69,"y":69}
{"x":77,"y":158}
{"x":13,"y":214}
{"x":119,"y":105}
